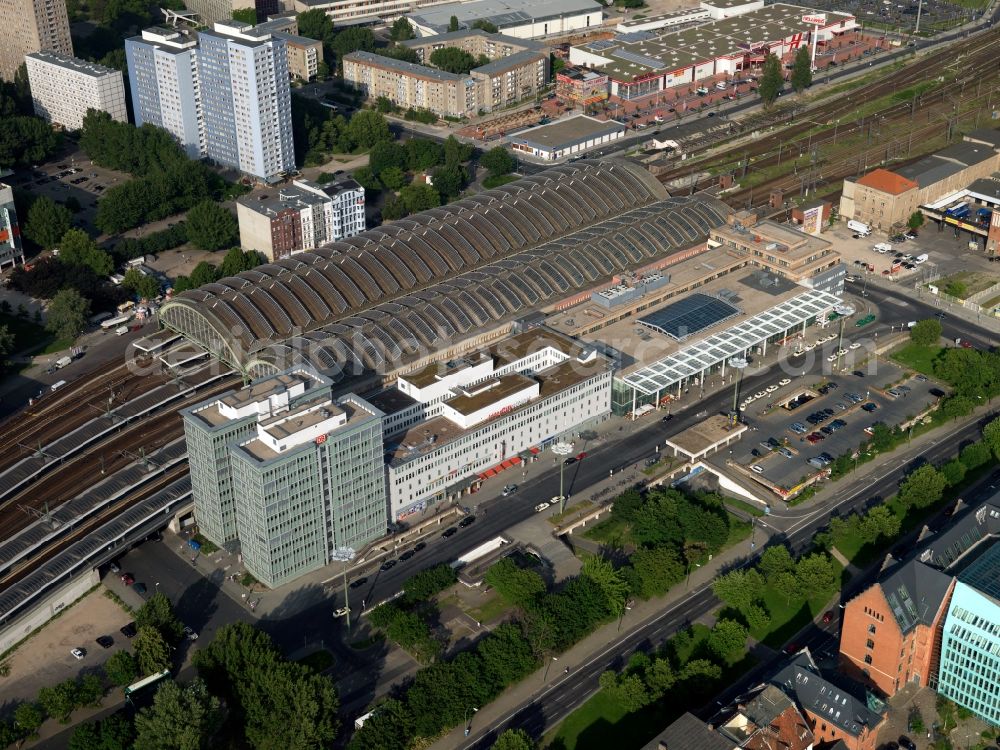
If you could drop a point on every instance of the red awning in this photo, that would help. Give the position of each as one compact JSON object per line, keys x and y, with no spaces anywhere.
{"x":515,"y":461}
{"x":535,"y":451}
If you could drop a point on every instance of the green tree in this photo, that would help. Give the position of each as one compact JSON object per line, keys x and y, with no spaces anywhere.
{"x":975,"y":455}
{"x":389,"y":728}
{"x":514,"y":739}
{"x":77,"y":249}
{"x":926,"y":332}
{"x":816,"y":574}
{"x":498,"y":161}
{"x":428,"y":583}
{"x":802,"y":76}
{"x":28,"y":717}
{"x":158,"y":612}
{"x":89,"y":690}
{"x":113,"y":733}
{"x":774,"y":561}
{"x":145,"y":287}
{"x":204,"y":273}
{"x":628,"y":690}
{"x":739,"y":588}
{"x":422,"y":154}
{"x":916,"y":220}
{"x":787,"y":585}
{"x":67,"y":314}
{"x":401,"y":30}
{"x":758,"y":620}
{"x":316,"y":24}
{"x":393,"y":208}
{"x":449,"y":180}
{"x":877,"y":523}
{"x":517,"y":586}
{"x":418,"y":196}
{"x":246,"y":15}
{"x":121,"y":668}
{"x":610,"y":581}
{"x":211,"y":227}
{"x":956,"y":289}
{"x":956,"y":406}
{"x":482,"y":23}
{"x":181,"y":718}
{"x":58,"y":701}
{"x":47,"y":222}
{"x":453,"y":23}
{"x":25,"y":141}
{"x":386,"y":154}
{"x":237,"y":261}
{"x":771,"y":81}
{"x":954,"y":472}
{"x":657,"y":569}
{"x":366,"y":128}
{"x":506,"y":656}
{"x":151,"y":650}
{"x":453,"y":60}
{"x":7,"y":340}
{"x":924,"y":486}
{"x":352,"y":39}
{"x":367,"y":179}
{"x":991,"y":436}
{"x":393,"y":178}
{"x":728,"y":639}
{"x":456,"y":152}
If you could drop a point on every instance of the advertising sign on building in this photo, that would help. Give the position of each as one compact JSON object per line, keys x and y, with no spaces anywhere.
{"x":812,"y":220}
{"x":818,"y":19}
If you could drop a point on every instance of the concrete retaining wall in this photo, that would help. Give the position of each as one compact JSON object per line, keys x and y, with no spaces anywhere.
{"x":47,"y":608}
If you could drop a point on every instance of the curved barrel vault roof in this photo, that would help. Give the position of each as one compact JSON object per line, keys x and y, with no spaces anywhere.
{"x":410,"y":286}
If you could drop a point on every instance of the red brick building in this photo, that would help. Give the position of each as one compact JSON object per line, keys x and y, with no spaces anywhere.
{"x":891,"y":632}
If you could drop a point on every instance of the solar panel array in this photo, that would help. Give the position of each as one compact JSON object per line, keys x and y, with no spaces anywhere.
{"x":688,"y":316}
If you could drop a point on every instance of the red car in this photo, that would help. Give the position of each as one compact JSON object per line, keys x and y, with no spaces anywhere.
{"x":127,"y":579}
{"x":828,"y":616}
{"x":580,"y":456}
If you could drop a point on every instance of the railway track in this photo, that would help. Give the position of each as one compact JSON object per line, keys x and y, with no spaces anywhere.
{"x":825,"y":125}
{"x":92,"y":523}
{"x":106,"y":457}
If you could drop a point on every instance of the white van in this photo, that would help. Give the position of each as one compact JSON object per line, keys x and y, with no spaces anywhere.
{"x":722,"y":85}
{"x":883,"y":248}
{"x":920,"y":259}
{"x":859,"y":227}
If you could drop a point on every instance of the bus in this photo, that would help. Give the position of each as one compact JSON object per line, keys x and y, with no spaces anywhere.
{"x":110,"y":323}
{"x":145,"y":682}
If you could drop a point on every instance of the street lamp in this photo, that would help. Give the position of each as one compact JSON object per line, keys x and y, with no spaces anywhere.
{"x":562,"y":449}
{"x":843,"y":311}
{"x":545,"y":675}
{"x":739,"y":364}
{"x":468,"y":721}
{"x":345,"y":555}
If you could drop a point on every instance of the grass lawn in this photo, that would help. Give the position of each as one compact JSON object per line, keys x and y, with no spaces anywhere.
{"x":317,"y":661}
{"x":919,"y":358}
{"x":788,"y":617}
{"x":490,"y":609}
{"x":496,"y":180}
{"x":973,"y":281}
{"x":572,"y":510}
{"x":753,"y":510}
{"x":612,"y":531}
{"x":26,"y":333}
{"x":738,"y":531}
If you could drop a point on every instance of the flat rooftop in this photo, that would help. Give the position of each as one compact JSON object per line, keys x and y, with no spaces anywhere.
{"x":391,"y":400}
{"x":265,"y":388}
{"x":262,"y":452}
{"x":295,"y":420}
{"x":402,"y":66}
{"x":75,"y":64}
{"x":702,"y":436}
{"x":791,"y":242}
{"x":417,"y":441}
{"x":567,"y":132}
{"x":501,"y":12}
{"x":489,"y":392}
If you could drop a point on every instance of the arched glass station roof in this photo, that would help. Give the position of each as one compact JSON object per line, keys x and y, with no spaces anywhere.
{"x":444,"y":274}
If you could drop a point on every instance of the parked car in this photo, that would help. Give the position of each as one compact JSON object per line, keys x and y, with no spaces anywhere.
{"x":78,"y":653}
{"x":190,"y":634}
{"x":128,"y":631}
{"x":540,"y":507}
{"x":571,"y":460}
{"x":105,"y":641}
{"x":139,"y":588}
{"x":757,"y":469}
{"x":407,"y":555}
{"x":387,"y":565}
{"x":115,"y":568}
{"x":509,"y":489}
{"x":419,"y":546}
{"x":466,"y":522}
{"x":870,"y":406}
{"x":449,"y":532}
{"x":358,"y":582}
{"x":829,"y":615}
{"x":127,"y":579}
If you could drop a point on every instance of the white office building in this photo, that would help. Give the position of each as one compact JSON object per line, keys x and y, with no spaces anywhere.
{"x":246,"y":99}
{"x":451,"y":425}
{"x":63,"y":88}
{"x":163,"y":77}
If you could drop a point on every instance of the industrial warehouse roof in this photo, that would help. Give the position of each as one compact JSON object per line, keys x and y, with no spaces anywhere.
{"x":436,"y":277}
{"x":628,"y":58}
{"x":567,"y":132}
{"x":731,"y":342}
{"x":501,"y":13}
{"x":887,"y":182}
{"x":948,"y":161}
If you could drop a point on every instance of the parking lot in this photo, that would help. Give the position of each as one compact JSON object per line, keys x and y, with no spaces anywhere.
{"x":806,"y":420}
{"x":946,"y":254}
